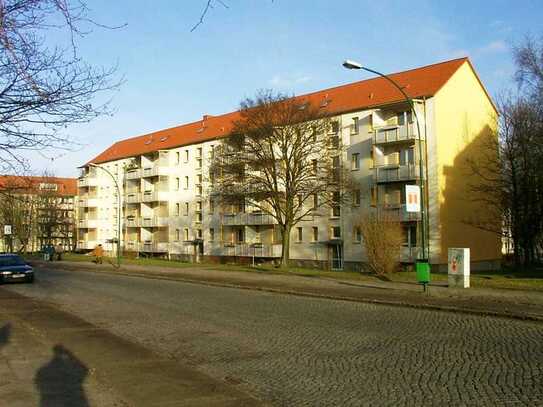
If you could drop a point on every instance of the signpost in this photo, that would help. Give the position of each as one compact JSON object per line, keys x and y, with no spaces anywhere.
{"x":458,"y":271}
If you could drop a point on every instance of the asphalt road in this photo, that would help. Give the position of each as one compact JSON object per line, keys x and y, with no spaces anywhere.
{"x":298,"y":351}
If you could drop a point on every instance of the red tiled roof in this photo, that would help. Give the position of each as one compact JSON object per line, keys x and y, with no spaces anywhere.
{"x":65,"y":186}
{"x":419,"y":82}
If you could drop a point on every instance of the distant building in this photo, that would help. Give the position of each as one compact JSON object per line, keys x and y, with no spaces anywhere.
{"x":163,"y":177}
{"x":39,"y":211}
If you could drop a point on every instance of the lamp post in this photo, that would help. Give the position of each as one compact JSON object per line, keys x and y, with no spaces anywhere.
{"x":355,"y":65}
{"x":118,"y":211}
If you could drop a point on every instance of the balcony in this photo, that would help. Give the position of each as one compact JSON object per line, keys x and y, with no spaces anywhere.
{"x":245,"y":218}
{"x":87,"y":224}
{"x":251,"y":249}
{"x":398,"y":213}
{"x":85,"y":202}
{"x":154,"y":170}
{"x":153,"y":221}
{"x":153,"y":247}
{"x":395,"y":134}
{"x":133,"y":173}
{"x":87,"y":244}
{"x":132,"y":222}
{"x":87,"y":181}
{"x":154,"y":196}
{"x":396,"y":173}
{"x":133,"y":197}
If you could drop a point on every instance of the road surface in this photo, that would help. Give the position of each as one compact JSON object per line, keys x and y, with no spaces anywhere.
{"x":299,"y":351}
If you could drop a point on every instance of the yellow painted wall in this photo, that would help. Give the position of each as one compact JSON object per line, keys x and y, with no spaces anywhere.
{"x":464,"y":118}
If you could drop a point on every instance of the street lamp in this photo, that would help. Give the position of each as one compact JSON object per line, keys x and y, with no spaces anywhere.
{"x":118,"y":211}
{"x":349,"y":64}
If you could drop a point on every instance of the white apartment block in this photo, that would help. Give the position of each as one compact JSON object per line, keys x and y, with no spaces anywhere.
{"x":167,"y":210}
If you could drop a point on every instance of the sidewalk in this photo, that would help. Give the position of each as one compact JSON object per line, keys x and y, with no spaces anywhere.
{"x":52,"y":358}
{"x":520,"y":304}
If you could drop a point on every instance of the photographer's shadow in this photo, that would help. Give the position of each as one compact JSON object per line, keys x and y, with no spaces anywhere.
{"x":60,"y":381}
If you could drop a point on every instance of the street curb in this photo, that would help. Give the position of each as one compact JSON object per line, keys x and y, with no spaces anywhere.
{"x":432,"y":307}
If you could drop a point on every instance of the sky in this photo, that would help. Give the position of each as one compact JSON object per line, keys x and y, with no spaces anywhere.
{"x":174,"y":76}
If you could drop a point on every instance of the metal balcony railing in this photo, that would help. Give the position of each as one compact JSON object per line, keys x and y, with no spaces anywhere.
{"x":87,"y":181}
{"x":87,"y":202}
{"x":153,"y":221}
{"x":398,"y":213}
{"x":395,"y":173}
{"x":246,"y":218}
{"x":251,"y":249}
{"x":87,"y":223}
{"x":133,"y":173}
{"x":395,"y":133}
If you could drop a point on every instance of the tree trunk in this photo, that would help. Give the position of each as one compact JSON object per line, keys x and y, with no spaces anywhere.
{"x":285,"y":250}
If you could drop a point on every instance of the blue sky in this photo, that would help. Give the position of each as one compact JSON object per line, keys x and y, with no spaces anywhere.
{"x":174,"y":76}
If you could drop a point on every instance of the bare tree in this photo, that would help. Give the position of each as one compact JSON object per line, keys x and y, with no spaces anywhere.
{"x":43,"y":87}
{"x":382,"y":238}
{"x":18,"y":209}
{"x":284,"y":159}
{"x":510,"y":168}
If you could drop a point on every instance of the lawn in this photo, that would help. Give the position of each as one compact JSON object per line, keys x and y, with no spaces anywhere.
{"x":508,"y":278}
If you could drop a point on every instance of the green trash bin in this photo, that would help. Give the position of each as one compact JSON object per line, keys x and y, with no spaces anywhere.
{"x":423,"y":272}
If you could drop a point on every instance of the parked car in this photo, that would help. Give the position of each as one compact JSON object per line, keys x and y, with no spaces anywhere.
{"x":14,"y":268}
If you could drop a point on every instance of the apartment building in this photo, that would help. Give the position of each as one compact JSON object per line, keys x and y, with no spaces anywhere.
{"x":166,"y":209}
{"x":39,"y":211}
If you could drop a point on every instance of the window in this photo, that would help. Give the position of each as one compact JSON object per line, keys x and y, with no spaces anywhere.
{"x":335,"y":127}
{"x":355,"y":161}
{"x":177,"y":157}
{"x":177,"y":234}
{"x":356,"y":197}
{"x":177,"y":183}
{"x":334,"y":142}
{"x":314,"y":133}
{"x":198,"y":233}
{"x":186,"y":234}
{"x":336,"y":211}
{"x":357,"y":234}
{"x":211,"y":234}
{"x":315,"y":201}
{"x":186,"y":212}
{"x":335,"y":232}
{"x":199,"y":217}
{"x":186,"y":182}
{"x":355,"y":126}
{"x":240,"y":235}
{"x":212,"y":152}
{"x":177,"y":209}
{"x":300,"y":200}
{"x":315,"y":237}
{"x":314,"y":166}
{"x":186,"y":156}
{"x":199,"y":190}
{"x":299,"y":234}
{"x":211,"y":206}
{"x":199,"y":179}
{"x":199,"y":152}
{"x":199,"y":206}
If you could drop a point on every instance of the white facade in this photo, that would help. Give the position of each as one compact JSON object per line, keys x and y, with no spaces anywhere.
{"x":166,"y":207}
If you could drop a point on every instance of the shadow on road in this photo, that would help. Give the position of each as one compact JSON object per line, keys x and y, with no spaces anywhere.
{"x":5,"y":333}
{"x":60,"y":381}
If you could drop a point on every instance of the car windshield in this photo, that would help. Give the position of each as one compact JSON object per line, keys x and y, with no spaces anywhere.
{"x":11,"y":261}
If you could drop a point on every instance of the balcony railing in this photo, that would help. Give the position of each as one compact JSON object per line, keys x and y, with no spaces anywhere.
{"x":132,"y":222}
{"x":133,"y":174}
{"x":87,"y":223}
{"x":87,"y":202}
{"x":251,"y":249}
{"x":395,"y":134}
{"x":398,"y":213}
{"x":153,"y":221}
{"x":153,"y":247}
{"x":133,"y":197}
{"x":154,"y":196}
{"x":86,"y":244}
{"x":157,"y":169}
{"x":87,"y":181}
{"x":245,"y":218}
{"x":407,"y":172}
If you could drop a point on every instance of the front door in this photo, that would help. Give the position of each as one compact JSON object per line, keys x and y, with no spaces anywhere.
{"x":337,"y":256}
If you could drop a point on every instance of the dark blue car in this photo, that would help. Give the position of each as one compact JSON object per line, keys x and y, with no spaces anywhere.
{"x":14,"y":268}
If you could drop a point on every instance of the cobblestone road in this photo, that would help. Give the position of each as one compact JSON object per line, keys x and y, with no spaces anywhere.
{"x":296,"y":351}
